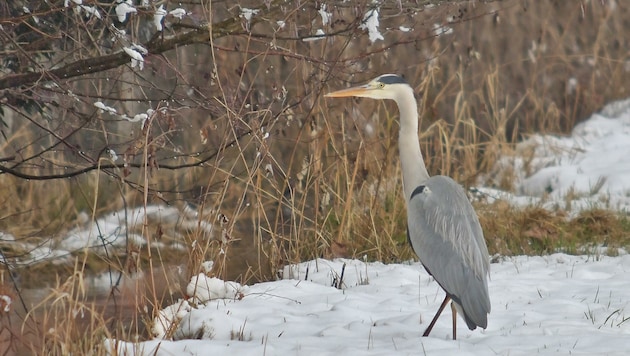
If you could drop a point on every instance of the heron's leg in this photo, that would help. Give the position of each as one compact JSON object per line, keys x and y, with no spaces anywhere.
{"x":428,"y":330}
{"x":454,"y":320}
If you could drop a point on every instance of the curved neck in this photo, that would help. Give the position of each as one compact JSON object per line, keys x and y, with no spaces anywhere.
{"x":413,"y":168}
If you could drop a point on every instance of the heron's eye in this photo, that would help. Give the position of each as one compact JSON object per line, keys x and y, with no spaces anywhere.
{"x":380,"y":85}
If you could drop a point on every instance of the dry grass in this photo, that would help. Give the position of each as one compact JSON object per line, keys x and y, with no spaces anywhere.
{"x":327,"y":182}
{"x":535,"y":231}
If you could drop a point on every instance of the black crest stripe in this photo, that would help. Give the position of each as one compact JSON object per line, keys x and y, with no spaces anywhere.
{"x":392,"y":79}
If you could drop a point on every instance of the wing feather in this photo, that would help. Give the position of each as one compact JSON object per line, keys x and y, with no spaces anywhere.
{"x":445,"y":233}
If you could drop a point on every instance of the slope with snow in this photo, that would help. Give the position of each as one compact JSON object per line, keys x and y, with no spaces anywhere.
{"x":590,"y":168}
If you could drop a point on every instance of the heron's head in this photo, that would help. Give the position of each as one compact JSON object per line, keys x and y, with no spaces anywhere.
{"x":386,"y":86}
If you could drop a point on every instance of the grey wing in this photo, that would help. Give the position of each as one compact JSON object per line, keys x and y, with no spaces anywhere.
{"x":445,"y":233}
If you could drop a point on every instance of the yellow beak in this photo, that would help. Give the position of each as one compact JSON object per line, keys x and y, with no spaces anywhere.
{"x":355,"y":91}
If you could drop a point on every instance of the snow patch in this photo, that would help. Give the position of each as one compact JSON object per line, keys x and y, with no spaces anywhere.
{"x":248,"y":14}
{"x":203,"y":289}
{"x":158,"y":17}
{"x":123,"y":9}
{"x":178,"y":13}
{"x":371,"y":24}
{"x":325,"y":15}
{"x":319,"y":35}
{"x":136,"y":52}
{"x":5,"y":303}
{"x":590,"y":168}
{"x":104,"y":108}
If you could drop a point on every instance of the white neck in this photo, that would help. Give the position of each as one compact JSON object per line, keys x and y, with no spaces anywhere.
{"x":413,"y":167}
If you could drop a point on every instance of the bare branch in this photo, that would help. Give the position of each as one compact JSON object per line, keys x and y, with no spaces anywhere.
{"x":157,"y":45}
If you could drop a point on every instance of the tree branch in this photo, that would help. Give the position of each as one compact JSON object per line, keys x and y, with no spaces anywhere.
{"x":160,"y":44}
{"x":156,"y":45}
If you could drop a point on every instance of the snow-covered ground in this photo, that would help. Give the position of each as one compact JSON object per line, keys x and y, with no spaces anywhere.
{"x":115,"y":229}
{"x":558,"y":304}
{"x":590,"y":168}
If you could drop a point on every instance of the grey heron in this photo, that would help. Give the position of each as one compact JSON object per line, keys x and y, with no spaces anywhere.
{"x":442,"y":225}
